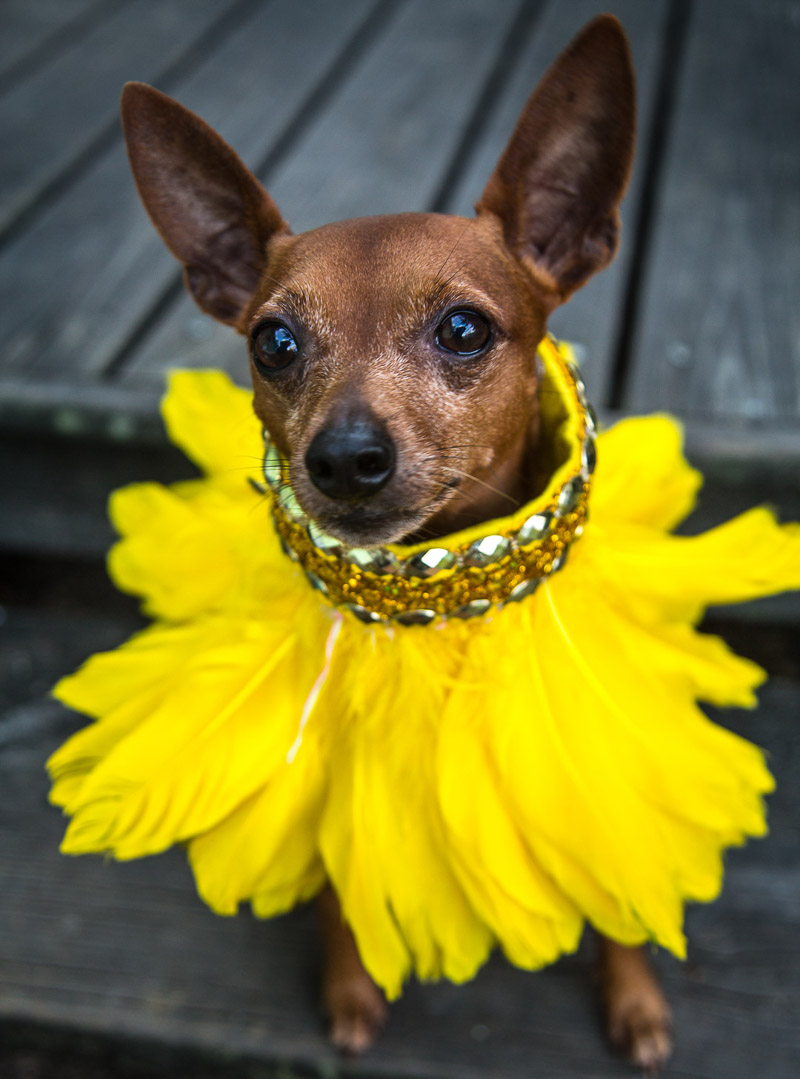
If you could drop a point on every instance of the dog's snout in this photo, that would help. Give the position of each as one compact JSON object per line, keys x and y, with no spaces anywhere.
{"x":351,"y":460}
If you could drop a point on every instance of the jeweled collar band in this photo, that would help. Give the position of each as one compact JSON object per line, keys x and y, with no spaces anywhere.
{"x":466,"y":574}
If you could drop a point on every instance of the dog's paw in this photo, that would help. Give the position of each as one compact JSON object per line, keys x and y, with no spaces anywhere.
{"x":640,"y":1026}
{"x":356,"y":1010}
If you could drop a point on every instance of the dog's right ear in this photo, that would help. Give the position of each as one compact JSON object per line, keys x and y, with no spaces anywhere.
{"x":210,"y":210}
{"x":556,"y":188}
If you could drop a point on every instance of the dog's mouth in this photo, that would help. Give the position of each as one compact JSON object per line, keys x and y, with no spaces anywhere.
{"x":366,"y":525}
{"x":363,"y":527}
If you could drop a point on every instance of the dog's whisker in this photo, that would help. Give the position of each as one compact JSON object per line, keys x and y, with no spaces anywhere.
{"x":484,"y":483}
{"x":261,"y":469}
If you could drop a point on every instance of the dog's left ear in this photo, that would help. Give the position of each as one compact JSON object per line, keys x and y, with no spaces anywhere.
{"x":210,"y":210}
{"x":558,"y":183}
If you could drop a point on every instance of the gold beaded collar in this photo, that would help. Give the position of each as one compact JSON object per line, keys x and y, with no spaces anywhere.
{"x":467,"y":573}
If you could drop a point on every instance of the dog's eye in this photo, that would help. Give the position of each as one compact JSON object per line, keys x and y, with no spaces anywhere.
{"x":274,"y":346}
{"x":464,"y":332}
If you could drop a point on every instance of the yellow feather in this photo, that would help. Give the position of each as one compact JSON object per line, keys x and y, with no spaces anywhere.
{"x":658,"y":495}
{"x":219,"y":731}
{"x":271,"y":839}
{"x":213,"y":423}
{"x":344,"y":835}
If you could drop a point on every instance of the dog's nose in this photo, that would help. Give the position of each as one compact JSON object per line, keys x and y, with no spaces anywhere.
{"x":350,"y":460}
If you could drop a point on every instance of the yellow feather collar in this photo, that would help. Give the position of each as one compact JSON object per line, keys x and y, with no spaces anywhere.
{"x":498,"y":781}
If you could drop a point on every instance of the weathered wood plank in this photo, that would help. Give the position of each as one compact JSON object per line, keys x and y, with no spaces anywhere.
{"x":80,"y":409}
{"x":53,"y":117}
{"x":127,"y":948}
{"x":382,"y":145}
{"x":54,"y":491}
{"x":30,"y":30}
{"x":719,"y":333}
{"x":83,"y":273}
{"x":591,"y":319}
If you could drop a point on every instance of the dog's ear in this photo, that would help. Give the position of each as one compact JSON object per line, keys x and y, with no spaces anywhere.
{"x":212,"y":213}
{"x":558,"y":183}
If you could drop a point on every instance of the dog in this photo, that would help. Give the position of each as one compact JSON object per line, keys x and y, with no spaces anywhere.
{"x":375,"y":341}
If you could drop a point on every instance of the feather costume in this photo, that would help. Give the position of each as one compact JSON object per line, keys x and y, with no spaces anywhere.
{"x":479,"y":743}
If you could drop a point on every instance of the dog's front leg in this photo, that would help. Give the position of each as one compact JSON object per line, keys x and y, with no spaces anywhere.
{"x":637,"y":1014}
{"x":354,"y":1005}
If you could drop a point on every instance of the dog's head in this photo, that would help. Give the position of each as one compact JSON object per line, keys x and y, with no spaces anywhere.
{"x":393,"y":357}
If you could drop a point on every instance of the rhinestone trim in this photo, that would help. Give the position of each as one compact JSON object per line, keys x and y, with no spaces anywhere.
{"x":464,"y":581}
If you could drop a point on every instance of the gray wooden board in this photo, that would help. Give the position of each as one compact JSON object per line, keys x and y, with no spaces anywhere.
{"x":77,"y":280}
{"x":27,"y":27}
{"x":128,"y":948}
{"x":49,"y":118}
{"x":73,"y":409}
{"x":719,"y":332}
{"x":54,"y":492}
{"x":382,"y":145}
{"x":591,"y":318}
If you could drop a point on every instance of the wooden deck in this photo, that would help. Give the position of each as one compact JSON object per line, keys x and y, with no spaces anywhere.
{"x":342,"y":108}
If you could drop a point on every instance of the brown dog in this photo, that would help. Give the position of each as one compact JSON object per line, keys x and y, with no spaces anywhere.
{"x":393,"y":359}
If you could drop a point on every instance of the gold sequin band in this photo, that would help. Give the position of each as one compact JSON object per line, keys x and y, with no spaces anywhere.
{"x":450,"y":579}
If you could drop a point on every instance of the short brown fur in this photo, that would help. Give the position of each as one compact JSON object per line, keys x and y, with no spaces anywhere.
{"x":366,"y":300}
